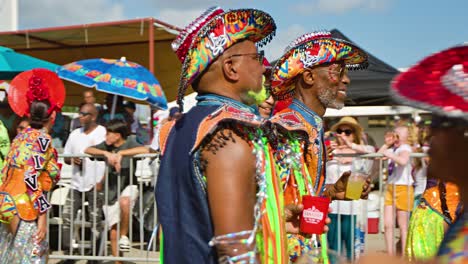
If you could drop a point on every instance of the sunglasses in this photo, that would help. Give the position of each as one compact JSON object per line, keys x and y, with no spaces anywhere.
{"x":341,"y":72}
{"x":21,"y":127}
{"x":257,"y":56}
{"x":84,"y":113}
{"x":346,"y":131}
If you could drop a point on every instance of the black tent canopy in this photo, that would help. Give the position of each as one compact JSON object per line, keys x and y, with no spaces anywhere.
{"x":369,"y":86}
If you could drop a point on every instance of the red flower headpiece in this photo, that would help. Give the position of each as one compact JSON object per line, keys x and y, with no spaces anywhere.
{"x":36,"y":85}
{"x":37,"y":90}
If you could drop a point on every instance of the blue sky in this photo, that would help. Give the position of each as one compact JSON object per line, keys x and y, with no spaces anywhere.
{"x":396,"y":31}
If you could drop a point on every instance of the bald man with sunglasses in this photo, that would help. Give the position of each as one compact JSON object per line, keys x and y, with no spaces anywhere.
{"x":215,"y":166}
{"x":89,"y":134}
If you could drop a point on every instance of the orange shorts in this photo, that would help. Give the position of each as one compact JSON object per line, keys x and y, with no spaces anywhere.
{"x":401,"y":195}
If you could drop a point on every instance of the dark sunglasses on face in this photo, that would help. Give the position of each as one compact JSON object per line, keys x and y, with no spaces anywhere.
{"x":341,"y":70}
{"x":346,"y":131}
{"x":84,"y":113}
{"x":257,"y":56}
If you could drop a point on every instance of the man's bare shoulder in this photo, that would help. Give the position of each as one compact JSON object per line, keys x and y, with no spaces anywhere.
{"x":227,"y":147}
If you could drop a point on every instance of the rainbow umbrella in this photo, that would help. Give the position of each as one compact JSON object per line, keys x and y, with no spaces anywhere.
{"x":119,"y":77}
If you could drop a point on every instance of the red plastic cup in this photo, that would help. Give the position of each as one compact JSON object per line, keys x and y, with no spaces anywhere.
{"x":314,"y":214}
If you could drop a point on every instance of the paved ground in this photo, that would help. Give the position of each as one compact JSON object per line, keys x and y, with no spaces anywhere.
{"x":375,"y":243}
{"x":134,"y":252}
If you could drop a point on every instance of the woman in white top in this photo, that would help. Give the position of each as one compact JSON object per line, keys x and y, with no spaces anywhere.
{"x":348,"y":141}
{"x":420,"y":166}
{"x":399,"y":192}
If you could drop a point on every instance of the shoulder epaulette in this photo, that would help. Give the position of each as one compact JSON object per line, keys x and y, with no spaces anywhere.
{"x":288,"y":120}
{"x":164,"y":134}
{"x":224,"y":114}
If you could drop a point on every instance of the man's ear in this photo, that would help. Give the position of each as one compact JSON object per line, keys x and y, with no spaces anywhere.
{"x":230,"y":69}
{"x":308,"y":77}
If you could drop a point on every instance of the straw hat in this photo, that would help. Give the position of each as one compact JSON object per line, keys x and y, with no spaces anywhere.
{"x":350,"y":121}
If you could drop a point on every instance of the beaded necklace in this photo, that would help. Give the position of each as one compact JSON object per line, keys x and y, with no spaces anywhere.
{"x":214,"y":99}
{"x":315,"y":121}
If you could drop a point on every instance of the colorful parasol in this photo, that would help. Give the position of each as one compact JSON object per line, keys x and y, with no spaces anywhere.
{"x":119,"y":77}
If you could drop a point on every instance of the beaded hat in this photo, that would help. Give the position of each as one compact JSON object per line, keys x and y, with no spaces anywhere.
{"x":206,"y":38}
{"x":439,"y":83}
{"x":36,"y":85}
{"x":309,"y":50}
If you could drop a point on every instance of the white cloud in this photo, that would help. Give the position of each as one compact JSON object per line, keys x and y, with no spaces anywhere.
{"x":273,"y":50}
{"x":181,"y":12}
{"x":44,"y":13}
{"x":282,"y":39}
{"x":340,"y":6}
{"x":183,"y":4}
{"x":179,"y":17}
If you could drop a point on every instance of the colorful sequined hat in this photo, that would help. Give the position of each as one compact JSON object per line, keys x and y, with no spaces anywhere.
{"x":36,"y":85}
{"x":439,"y":83}
{"x":206,"y":38}
{"x":310,"y":50}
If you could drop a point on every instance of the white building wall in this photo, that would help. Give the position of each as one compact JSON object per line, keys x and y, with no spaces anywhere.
{"x":8,"y":15}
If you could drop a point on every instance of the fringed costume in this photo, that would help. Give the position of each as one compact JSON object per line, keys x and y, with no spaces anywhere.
{"x":297,"y":131}
{"x":181,"y":190}
{"x":181,"y":180}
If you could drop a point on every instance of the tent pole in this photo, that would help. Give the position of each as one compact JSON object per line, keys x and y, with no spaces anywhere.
{"x":114,"y":105}
{"x":151,"y":45}
{"x":151,"y":68}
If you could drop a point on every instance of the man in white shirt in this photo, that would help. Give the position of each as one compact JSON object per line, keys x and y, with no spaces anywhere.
{"x":85,"y":173}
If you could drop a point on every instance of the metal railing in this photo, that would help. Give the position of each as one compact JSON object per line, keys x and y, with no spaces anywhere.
{"x":359,"y":216}
{"x":88,"y":233}
{"x":77,"y":228}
